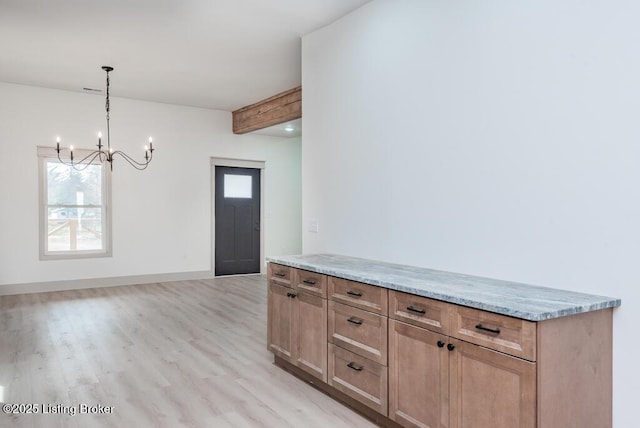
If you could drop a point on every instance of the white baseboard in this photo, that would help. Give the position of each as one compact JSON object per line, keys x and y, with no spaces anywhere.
{"x":78,"y":284}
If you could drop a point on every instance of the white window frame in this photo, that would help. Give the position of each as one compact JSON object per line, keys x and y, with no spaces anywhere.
{"x":48,"y":153}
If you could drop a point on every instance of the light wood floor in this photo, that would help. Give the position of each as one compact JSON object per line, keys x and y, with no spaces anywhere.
{"x":187,"y":353}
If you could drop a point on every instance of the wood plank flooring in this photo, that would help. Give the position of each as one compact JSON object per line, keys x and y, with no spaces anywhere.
{"x":174,"y":354}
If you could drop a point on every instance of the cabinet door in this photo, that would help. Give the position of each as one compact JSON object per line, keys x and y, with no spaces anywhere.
{"x":418,"y":376}
{"x":490,"y":389}
{"x":311,"y":326}
{"x":280,"y":326}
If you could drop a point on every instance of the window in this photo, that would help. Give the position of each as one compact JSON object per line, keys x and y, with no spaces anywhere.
{"x":75,"y":215}
{"x":237,"y":186}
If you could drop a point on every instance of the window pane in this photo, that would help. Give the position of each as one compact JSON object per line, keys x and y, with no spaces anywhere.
{"x":66,"y":186}
{"x":237,"y":186}
{"x":74,"y":229}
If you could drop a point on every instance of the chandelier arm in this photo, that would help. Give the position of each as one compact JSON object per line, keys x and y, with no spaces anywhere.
{"x":93,"y":155}
{"x":137,"y":165}
{"x":62,"y":160}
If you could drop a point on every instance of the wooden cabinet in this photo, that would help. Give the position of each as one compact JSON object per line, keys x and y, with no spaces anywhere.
{"x":420,"y":311}
{"x":364,"y":296}
{"x":421,"y":362}
{"x":505,"y":334}
{"x":418,"y":376}
{"x":297,"y":322}
{"x":310,"y":282}
{"x":280,"y":331}
{"x":357,"y":336}
{"x":310,"y":315}
{"x":358,"y":331}
{"x":489,"y":389}
{"x":438,"y":381}
{"x":459,"y":383}
{"x":358,"y":377}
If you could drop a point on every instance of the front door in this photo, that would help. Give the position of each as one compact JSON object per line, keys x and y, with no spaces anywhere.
{"x":237,"y":220}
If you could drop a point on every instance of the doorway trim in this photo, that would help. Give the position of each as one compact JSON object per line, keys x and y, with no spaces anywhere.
{"x":238,"y":163}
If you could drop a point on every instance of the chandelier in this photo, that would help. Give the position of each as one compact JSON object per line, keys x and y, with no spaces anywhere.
{"x":105,"y":154}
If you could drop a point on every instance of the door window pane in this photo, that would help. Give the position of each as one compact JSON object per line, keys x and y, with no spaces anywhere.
{"x":237,"y":186}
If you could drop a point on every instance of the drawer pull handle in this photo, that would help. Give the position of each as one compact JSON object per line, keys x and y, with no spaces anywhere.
{"x":354,"y":320}
{"x":292,"y":295}
{"x":280,"y":274}
{"x":440,"y":344}
{"x":416,"y":310}
{"x":451,"y":347}
{"x":310,"y":281}
{"x":354,"y":293}
{"x":490,"y":330}
{"x":355,"y":367}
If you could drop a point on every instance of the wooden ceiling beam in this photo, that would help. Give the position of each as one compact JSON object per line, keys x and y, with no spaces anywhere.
{"x":277,"y":109}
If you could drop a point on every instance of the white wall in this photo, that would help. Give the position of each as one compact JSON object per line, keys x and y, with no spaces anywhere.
{"x":161,"y":216}
{"x":492,"y":138}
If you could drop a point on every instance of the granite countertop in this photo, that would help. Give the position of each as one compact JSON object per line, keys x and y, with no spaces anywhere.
{"x":529,"y":302}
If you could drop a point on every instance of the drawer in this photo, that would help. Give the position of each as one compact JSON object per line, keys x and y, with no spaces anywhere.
{"x":358,"y":331}
{"x":312,"y":282}
{"x":363,"y":296}
{"x":505,"y":334}
{"x":359,"y":378}
{"x":279,"y":274}
{"x":420,"y":311}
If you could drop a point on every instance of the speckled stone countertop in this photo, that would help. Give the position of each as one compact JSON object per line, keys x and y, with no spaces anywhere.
{"x":518,"y":300}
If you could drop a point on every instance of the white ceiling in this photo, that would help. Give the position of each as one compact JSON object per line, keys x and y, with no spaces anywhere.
{"x":292,"y":128}
{"x":219,"y":54}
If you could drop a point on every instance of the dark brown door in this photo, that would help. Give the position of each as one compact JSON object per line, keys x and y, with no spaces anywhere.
{"x":237,"y":220}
